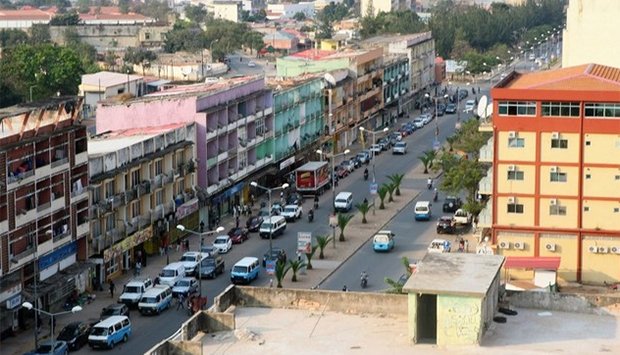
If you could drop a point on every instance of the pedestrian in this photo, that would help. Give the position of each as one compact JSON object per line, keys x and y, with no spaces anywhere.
{"x":178,"y":244}
{"x":234,"y":211}
{"x":270,"y":283}
{"x":466,"y":246}
{"x":112,"y":287}
{"x":252,"y":200}
{"x":138,"y":267}
{"x":156,"y":280}
{"x":180,"y":301}
{"x":298,"y":256}
{"x":237,"y":222}
{"x":187,"y":244}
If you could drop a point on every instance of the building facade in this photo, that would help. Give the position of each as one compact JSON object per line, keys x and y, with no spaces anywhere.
{"x":396,"y":84}
{"x":103,"y":85}
{"x":554,"y":180}
{"x":43,"y":204}
{"x":378,"y":6}
{"x":141,"y":186}
{"x":234,"y":134}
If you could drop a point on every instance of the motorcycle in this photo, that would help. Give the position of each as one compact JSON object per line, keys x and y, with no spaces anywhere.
{"x":435,"y":195}
{"x":364,"y":280}
{"x":366,"y":174}
{"x":429,"y":184}
{"x":316,"y":202}
{"x":310,"y":216}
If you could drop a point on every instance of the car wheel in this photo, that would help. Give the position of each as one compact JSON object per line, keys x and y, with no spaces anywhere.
{"x":125,"y":338}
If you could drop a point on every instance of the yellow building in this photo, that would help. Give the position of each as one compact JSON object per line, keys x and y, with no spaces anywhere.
{"x":141,"y":184}
{"x":555,"y":176}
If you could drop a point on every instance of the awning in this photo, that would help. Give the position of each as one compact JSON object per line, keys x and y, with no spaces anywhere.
{"x":532,"y":263}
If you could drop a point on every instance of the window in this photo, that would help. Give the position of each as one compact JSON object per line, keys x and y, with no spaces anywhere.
{"x":260,"y":126}
{"x":616,"y":209}
{"x":515,"y":175}
{"x":557,"y":210}
{"x":517,"y":108}
{"x":558,"y":177}
{"x":602,"y":110}
{"x":135,"y":177}
{"x":515,"y":208}
{"x":560,"y":109}
{"x":135,"y":209}
{"x":111,"y":266}
{"x":110,"y":222}
{"x":617,"y":177}
{"x":159,"y":167}
{"x":159,"y":197}
{"x":180,"y":187}
{"x":559,"y":143}
{"x":109,"y":189}
{"x":516,"y":142}
{"x":588,"y":143}
{"x":588,"y":176}
{"x":586,"y":208}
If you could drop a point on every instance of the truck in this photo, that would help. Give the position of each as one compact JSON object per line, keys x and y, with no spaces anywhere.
{"x":312,"y":178}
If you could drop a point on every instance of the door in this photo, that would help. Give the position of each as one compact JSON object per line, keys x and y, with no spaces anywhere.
{"x":426,"y":322}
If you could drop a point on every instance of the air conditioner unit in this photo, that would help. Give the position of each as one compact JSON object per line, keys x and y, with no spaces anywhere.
{"x":512,"y":167}
{"x":512,"y":134}
{"x":603,"y":250}
{"x":504,"y":245}
{"x":512,"y":199}
{"x":593,"y":249}
{"x":554,"y":169}
{"x":519,"y":245}
{"x":614,"y":250}
{"x":553,"y":202}
{"x":550,"y":246}
{"x":555,"y":135}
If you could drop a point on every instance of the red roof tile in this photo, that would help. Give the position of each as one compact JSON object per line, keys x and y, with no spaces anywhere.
{"x":587,"y":77}
{"x":532,"y":263}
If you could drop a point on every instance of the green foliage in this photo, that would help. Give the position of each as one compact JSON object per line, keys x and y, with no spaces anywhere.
{"x":382,"y":192}
{"x":326,"y":18}
{"x":47,"y":68}
{"x":469,"y":139}
{"x":158,"y":10}
{"x":363,"y":207}
{"x":299,"y":16}
{"x":397,"y":180}
{"x":196,"y":14}
{"x":395,"y":287}
{"x":71,"y":18}
{"x":343,"y":221}
{"x":464,"y":176}
{"x":12,"y":37}
{"x":40,"y":34}
{"x":427,"y":159}
{"x":280,"y":271}
{"x":139,"y":55}
{"x":473,"y":206}
{"x":322,"y":241}
{"x":401,"y":22}
{"x":310,"y":255}
{"x":295,"y":266}
{"x":83,"y":6}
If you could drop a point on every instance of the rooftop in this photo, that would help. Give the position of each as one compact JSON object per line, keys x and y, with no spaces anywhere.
{"x":587,"y":77}
{"x":112,"y":13}
{"x":107,"y":142}
{"x":27,"y":13}
{"x":411,"y":39}
{"x":454,"y":274}
{"x":12,"y":120}
{"x":287,"y":83}
{"x":106,"y":79}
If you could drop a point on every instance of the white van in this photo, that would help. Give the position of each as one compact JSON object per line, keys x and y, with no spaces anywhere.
{"x":245,"y":270}
{"x":110,"y":332}
{"x":274,"y":225}
{"x":155,"y":300}
{"x":172,"y":273}
{"x":343,"y":202}
{"x":422,"y":211}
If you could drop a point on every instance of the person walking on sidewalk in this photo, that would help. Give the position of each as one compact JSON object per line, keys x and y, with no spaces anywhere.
{"x":112,"y":287}
{"x":180,"y":301}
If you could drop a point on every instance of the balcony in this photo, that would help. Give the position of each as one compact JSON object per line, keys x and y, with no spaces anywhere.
{"x":222,"y":156}
{"x":144,"y":220}
{"x":486,"y":152}
{"x":103,"y":207}
{"x":169,"y":207}
{"x":60,"y":234}
{"x":144,"y":188}
{"x":156,"y":183}
{"x":130,"y":195}
{"x":486,"y":125}
{"x":132,"y":226}
{"x":97,"y":245}
{"x":157,"y":213}
{"x":82,"y":229}
{"x":78,"y":194}
{"x":21,"y":258}
{"x":81,"y":158}
{"x":116,"y":200}
{"x":485,"y":218}
{"x":114,"y":234}
{"x":211,"y":134}
{"x":260,"y":113}
{"x":59,"y":165}
{"x":485,"y":186}
{"x":25,"y":216}
{"x":268,"y":111}
{"x":20,"y":179}
{"x":4,"y":225}
{"x":168,"y":178}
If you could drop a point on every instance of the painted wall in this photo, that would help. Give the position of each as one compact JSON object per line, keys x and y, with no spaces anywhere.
{"x":566,"y":246}
{"x":598,"y":146}
{"x":601,"y":215}
{"x":570,"y":187}
{"x":601,"y":182}
{"x":525,"y":239}
{"x":559,"y":155}
{"x":295,"y":67}
{"x":518,"y":219}
{"x":525,"y":186}
{"x":570,"y":220}
{"x":459,"y":320}
{"x":600,"y":267}
{"x":526,"y":153}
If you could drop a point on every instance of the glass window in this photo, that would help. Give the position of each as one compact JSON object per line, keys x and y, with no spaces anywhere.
{"x":515,"y":208}
{"x":516,"y":142}
{"x":517,"y":108}
{"x":602,"y":110}
{"x":558,"y":177}
{"x":560,"y":109}
{"x":559,"y":143}
{"x":515,"y":175}
{"x":557,"y":210}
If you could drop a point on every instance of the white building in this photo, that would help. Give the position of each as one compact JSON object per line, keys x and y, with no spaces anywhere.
{"x":227,"y":10}
{"x":384,"y":6}
{"x":288,"y":10}
{"x":102,"y":85}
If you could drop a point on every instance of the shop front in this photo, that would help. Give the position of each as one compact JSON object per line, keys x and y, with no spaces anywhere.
{"x":120,"y":256}
{"x":223,"y":203}
{"x":10,"y":303}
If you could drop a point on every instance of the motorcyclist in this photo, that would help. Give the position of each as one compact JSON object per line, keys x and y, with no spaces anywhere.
{"x":435,"y":195}
{"x":311,"y":215}
{"x":316,"y":202}
{"x":344,"y":288}
{"x":366,"y":174}
{"x":364,"y":278}
{"x":429,"y":183}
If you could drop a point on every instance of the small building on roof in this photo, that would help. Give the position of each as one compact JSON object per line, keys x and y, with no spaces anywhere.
{"x":453,"y":297}
{"x":545,"y":272}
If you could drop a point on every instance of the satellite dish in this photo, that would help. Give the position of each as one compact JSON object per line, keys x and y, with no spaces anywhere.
{"x":482,"y":107}
{"x":330,"y":79}
{"x":489,"y":110}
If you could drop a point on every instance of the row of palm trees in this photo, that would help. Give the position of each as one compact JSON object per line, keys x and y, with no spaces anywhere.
{"x":390,"y":189}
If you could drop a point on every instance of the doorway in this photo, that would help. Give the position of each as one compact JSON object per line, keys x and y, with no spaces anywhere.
{"x":426,"y":322}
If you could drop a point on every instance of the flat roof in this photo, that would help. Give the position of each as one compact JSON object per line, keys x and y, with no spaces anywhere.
{"x":107,"y":78}
{"x":532,"y":263}
{"x":461,"y":274}
{"x":113,"y":141}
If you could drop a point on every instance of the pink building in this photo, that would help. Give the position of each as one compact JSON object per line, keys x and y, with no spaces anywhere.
{"x":234,"y":129}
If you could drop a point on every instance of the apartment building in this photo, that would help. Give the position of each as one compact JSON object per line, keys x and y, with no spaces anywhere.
{"x":378,"y":6}
{"x":396,"y":84}
{"x":555,"y":175}
{"x":141,"y":186}
{"x":43,"y":203}
{"x":227,"y":113}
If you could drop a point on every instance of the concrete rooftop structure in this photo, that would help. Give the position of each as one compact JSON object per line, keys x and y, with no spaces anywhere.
{"x":107,"y":142}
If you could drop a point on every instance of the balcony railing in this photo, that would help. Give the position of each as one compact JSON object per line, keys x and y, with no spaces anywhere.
{"x":157,"y":181}
{"x":59,"y":162}
{"x":20,"y":177}
{"x":144,"y":220}
{"x":485,"y":218}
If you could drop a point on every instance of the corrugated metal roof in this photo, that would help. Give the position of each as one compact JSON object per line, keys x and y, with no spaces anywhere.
{"x":532,"y":263}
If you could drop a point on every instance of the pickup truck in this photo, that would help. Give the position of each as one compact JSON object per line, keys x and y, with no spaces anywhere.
{"x":461,"y":217}
{"x":292,"y":212}
{"x":133,"y":291}
{"x":190,"y":261}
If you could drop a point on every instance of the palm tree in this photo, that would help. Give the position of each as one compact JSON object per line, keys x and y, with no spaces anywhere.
{"x":397,"y":179}
{"x":343,"y":220}
{"x":427,"y":159}
{"x":281,"y":270}
{"x":295,"y":265}
{"x":382,"y":192}
{"x":390,"y":188}
{"x":395,"y":286}
{"x":322,"y":241}
{"x":310,"y":255}
{"x":451,"y":140}
{"x":363,"y":207}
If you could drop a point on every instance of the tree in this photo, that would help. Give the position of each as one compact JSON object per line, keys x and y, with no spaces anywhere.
{"x":464,"y":176}
{"x":46,"y":67}
{"x":83,"y":6}
{"x":470,"y":139}
{"x":196,"y":14}
{"x":382,"y":192}
{"x":158,"y":10}
{"x":397,"y":286}
{"x":280,"y":272}
{"x":12,"y":37}
{"x":390,"y":189}
{"x":363,"y":207}
{"x":123,"y":6}
{"x":110,"y":60}
{"x":310,"y":255}
{"x":397,"y":180}
{"x":343,"y":221}
{"x":322,"y":241}
{"x":295,"y":265}
{"x":326,"y":18}
{"x":71,"y":18}
{"x":40,"y":34}
{"x":299,"y":16}
{"x":427,"y":158}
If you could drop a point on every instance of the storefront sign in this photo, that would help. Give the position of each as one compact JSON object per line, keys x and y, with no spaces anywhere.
{"x":304,"y":242}
{"x":187,"y":208}
{"x":288,"y":162}
{"x":57,"y":255}
{"x":10,"y":292}
{"x":138,"y":238}
{"x":14,"y":302}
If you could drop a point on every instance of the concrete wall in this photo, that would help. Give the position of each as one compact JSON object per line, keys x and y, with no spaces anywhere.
{"x":561,"y":302}
{"x":459,"y":320}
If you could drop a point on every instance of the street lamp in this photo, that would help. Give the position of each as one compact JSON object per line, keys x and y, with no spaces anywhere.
{"x":29,"y":307}
{"x":201,"y":235}
{"x":372,"y":154}
{"x":269,"y":191}
{"x":333,"y":172}
{"x":436,"y":98}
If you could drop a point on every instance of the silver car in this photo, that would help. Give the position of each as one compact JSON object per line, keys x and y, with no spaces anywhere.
{"x":399,"y":148}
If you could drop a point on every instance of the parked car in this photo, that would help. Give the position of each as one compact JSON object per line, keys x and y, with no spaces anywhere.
{"x":451,"y":204}
{"x":185,"y":286}
{"x":253,"y":223}
{"x":277,"y":253}
{"x":294,"y":199}
{"x":426,"y":118}
{"x":384,"y":143}
{"x":400,"y":148}
{"x":341,"y":172}
{"x":75,"y":334}
{"x":445,"y":224}
{"x":462,"y":217}
{"x":222,"y":243}
{"x":463,"y":93}
{"x":292,"y":212}
{"x":209,"y":250}
{"x":376,"y":149}
{"x":238,"y":235}
{"x":418,"y":122}
{"x":397,"y":135}
{"x":451,"y":108}
{"x":190,"y":261}
{"x":251,"y":64}
{"x":276,"y":209}
{"x":133,"y":291}
{"x":441,"y":109}
{"x":263,"y":213}
{"x":45,"y":348}
{"x":348,"y":164}
{"x":363,"y":157}
{"x":356,"y":160}
{"x":116,"y":309}
{"x":469,"y":106}
{"x":211,"y":267}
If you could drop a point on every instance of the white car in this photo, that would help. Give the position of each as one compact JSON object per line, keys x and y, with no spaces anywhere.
{"x":185,"y":286}
{"x":292,"y":212}
{"x":223,"y":244}
{"x":190,"y":261}
{"x":348,"y":164}
{"x":426,"y":118}
{"x":251,"y":64}
{"x":469,"y":106}
{"x":418,"y":122}
{"x":462,"y":217}
{"x":376,"y":148}
{"x":399,"y":148}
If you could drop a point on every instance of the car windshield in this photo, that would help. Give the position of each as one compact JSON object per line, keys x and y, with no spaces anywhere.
{"x":67,"y":333}
{"x":289,"y":209}
{"x":220,"y":241}
{"x":99,"y":331}
{"x":266,"y":225}
{"x":148,"y":300}
{"x":341,"y":200}
{"x":110,"y":311}
{"x":44,"y":349}
{"x":239,"y":269}
{"x":421,"y":209}
{"x":132,"y":289}
{"x":182,"y":283}
{"x":188,"y":258}
{"x":168,"y":273}
{"x":400,"y":144}
{"x":208,"y":262}
{"x":381,"y":238}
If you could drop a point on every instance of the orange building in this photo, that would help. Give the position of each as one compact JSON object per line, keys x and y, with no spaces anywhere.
{"x":555,"y":175}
